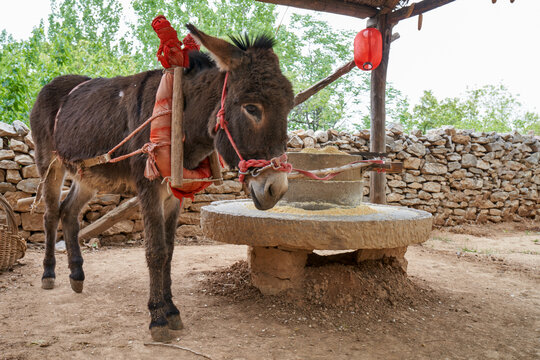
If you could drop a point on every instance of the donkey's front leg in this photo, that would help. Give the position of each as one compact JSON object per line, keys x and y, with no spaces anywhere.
{"x":151,"y":200}
{"x":171,"y":209}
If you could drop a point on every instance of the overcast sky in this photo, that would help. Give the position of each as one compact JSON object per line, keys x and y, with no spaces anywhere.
{"x":467,"y":43}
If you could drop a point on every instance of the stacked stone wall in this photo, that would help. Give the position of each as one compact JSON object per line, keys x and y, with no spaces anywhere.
{"x":459,"y":176}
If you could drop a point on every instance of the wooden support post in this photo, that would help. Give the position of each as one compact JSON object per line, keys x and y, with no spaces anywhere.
{"x":377,"y":190}
{"x":177,"y":130}
{"x":121,"y":212}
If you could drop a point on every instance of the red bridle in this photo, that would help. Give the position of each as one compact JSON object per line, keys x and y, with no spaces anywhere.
{"x":278,"y":163}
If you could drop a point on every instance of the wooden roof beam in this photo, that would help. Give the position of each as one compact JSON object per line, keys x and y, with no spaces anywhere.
{"x":333,"y":6}
{"x":415,"y":9}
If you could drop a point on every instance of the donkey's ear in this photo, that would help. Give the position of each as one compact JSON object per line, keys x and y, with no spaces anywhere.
{"x":226,"y":55}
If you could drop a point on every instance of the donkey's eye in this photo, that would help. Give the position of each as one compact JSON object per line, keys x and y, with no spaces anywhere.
{"x":253,"y":111}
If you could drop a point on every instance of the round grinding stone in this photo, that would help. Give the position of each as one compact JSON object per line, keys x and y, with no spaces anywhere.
{"x":238,"y":222}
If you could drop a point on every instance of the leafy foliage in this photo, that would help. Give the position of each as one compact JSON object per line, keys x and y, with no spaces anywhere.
{"x":488,"y":108}
{"x":81,"y":37}
{"x":219,"y":18}
{"x":309,"y":50}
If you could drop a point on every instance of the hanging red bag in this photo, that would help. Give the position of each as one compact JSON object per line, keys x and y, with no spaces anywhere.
{"x":368,"y":49}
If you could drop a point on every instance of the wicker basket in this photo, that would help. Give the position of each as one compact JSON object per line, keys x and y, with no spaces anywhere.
{"x":12,"y":245}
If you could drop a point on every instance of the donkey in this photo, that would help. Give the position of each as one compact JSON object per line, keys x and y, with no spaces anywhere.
{"x":96,"y":114}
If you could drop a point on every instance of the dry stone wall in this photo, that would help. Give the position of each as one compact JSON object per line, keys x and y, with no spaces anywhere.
{"x":459,"y":176}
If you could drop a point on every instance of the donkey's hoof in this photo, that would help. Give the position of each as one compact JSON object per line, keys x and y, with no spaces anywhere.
{"x":175,"y":322}
{"x":47,"y":283}
{"x":160,"y":334}
{"x":76,"y":285}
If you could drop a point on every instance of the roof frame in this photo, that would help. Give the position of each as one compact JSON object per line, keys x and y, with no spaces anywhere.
{"x":334,"y":6}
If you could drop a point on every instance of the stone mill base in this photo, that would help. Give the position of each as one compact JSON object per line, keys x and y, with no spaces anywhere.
{"x":276,"y":269}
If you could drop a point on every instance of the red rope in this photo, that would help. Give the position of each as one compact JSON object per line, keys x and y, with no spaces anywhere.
{"x":277,"y":163}
{"x":133,"y":133}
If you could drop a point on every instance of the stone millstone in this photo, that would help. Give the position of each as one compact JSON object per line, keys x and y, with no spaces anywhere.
{"x":237,"y":222}
{"x":345,"y":189}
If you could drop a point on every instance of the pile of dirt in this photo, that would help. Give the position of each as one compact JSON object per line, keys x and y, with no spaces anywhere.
{"x":370,"y":286}
{"x":233,"y":282}
{"x":338,"y":295}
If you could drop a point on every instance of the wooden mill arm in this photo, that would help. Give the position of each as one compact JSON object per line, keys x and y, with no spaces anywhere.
{"x":388,"y":167}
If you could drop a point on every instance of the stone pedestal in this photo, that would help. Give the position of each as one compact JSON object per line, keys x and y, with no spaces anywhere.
{"x":274,"y":270}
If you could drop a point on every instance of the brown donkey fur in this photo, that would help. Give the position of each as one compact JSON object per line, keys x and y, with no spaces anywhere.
{"x":96,"y":114}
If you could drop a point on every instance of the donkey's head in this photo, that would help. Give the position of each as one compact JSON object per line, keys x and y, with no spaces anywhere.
{"x":259,"y":98}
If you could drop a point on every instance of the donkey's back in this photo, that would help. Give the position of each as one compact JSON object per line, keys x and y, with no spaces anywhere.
{"x":80,"y":118}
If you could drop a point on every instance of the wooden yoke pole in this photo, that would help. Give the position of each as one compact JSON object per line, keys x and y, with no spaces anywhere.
{"x":377,"y":190}
{"x":215,"y":168}
{"x":177,"y":129}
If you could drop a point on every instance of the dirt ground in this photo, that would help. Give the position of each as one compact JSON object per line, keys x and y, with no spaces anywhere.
{"x":471,"y":293}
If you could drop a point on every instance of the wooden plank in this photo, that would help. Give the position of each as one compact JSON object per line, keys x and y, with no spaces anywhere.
{"x":215,"y":168}
{"x":306,"y":94}
{"x":332,"y":6}
{"x":377,"y":191}
{"x":106,"y":221}
{"x":177,"y":130}
{"x":415,"y":9}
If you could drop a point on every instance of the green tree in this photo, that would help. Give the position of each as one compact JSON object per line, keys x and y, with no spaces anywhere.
{"x":218,"y":18}
{"x":397,"y":108}
{"x":14,"y":79}
{"x":488,"y":108}
{"x":528,"y":122}
{"x":81,"y":37}
{"x":310,"y":50}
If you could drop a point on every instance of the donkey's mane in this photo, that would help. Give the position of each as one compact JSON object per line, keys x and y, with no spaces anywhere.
{"x":259,"y":41}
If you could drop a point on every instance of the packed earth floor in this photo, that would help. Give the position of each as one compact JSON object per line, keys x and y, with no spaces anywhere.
{"x":471,"y":293}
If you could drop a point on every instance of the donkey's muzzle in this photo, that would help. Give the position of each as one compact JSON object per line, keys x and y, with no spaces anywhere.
{"x":267,"y":188}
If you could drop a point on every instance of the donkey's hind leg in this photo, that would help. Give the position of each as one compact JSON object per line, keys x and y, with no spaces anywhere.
{"x":78,"y":196}
{"x":171,"y":208}
{"x":52,"y":173}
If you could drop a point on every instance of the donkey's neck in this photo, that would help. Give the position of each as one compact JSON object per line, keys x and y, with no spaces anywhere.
{"x":202,"y":93}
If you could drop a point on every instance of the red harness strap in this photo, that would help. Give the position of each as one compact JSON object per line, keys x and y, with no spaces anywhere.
{"x":278,"y":163}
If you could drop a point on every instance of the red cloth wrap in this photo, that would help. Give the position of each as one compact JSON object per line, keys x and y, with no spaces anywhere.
{"x":170,"y":50}
{"x":159,"y":158}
